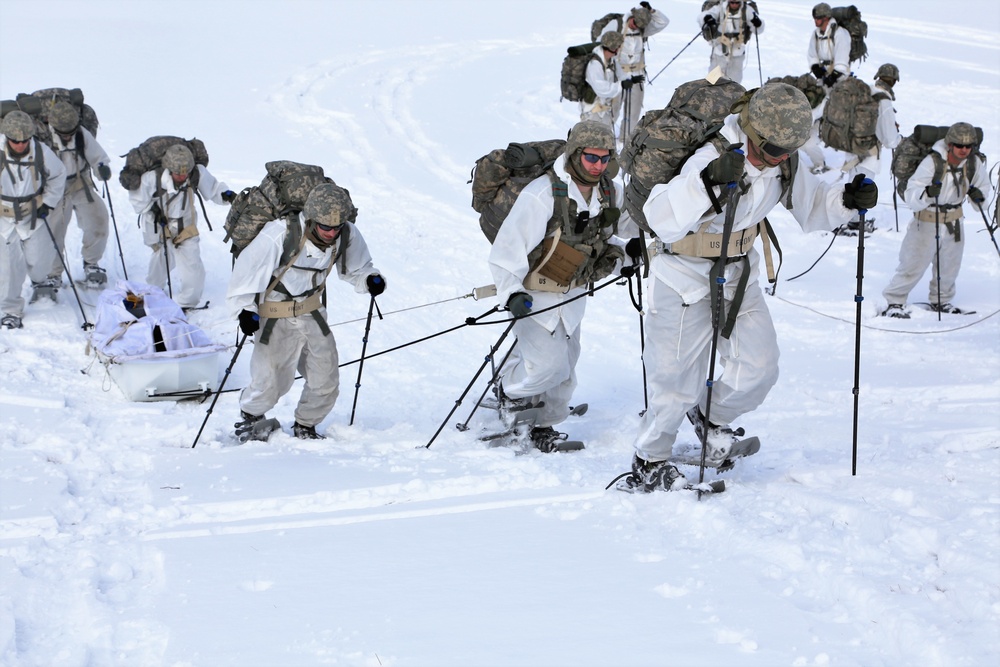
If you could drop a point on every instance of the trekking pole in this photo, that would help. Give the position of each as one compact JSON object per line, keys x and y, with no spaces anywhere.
{"x":937,"y":253}
{"x":989,"y":229}
{"x":218,"y":392}
{"x":720,"y":279}
{"x":760,"y":72}
{"x":114,"y":223}
{"x":166,"y":260}
{"x":361,"y":362}
{"x":464,"y":426}
{"x":858,"y":298}
{"x":475,"y":377}
{"x":696,"y":36}
{"x":72,"y":283}
{"x":895,"y":207}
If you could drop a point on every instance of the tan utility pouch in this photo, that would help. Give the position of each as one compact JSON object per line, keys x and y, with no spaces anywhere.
{"x":8,"y":210}
{"x":928,"y":215}
{"x":270,"y":309}
{"x":559,"y":264}
{"x":188,"y":232}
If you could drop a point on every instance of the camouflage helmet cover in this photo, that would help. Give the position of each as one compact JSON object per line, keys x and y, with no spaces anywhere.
{"x":590,"y":134}
{"x":888,"y":71}
{"x":781,"y":115}
{"x":641,"y":17}
{"x":17,"y":126}
{"x":64,"y":117}
{"x":612,"y":40}
{"x":329,"y":205}
{"x":961,"y":133}
{"x":822,"y":10}
{"x":178,"y":160}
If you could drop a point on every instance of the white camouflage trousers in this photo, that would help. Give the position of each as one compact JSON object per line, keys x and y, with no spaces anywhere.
{"x":543,"y":368}
{"x":30,"y":258}
{"x":678,"y":342}
{"x":295,"y":343}
{"x":917,"y":252}
{"x":91,"y":217}
{"x":185,"y":265}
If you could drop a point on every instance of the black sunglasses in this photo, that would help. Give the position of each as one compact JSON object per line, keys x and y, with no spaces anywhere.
{"x":593,"y":159}
{"x":963,"y":145}
{"x":774,"y":151}
{"x":328,"y":228}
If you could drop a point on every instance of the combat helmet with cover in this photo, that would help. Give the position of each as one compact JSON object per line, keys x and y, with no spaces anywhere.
{"x":912,"y":150}
{"x":17,"y":126}
{"x":778,"y":114}
{"x":178,"y":160}
{"x":64,"y":117}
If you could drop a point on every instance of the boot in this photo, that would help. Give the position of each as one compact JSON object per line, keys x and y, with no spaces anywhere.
{"x":303,"y":432}
{"x":896,"y":310}
{"x":720,"y":438}
{"x":11,"y":321}
{"x":649,"y":476}
{"x":546,"y":439}
{"x":94,"y":275}
{"x":254,"y":427}
{"x":47,"y":288}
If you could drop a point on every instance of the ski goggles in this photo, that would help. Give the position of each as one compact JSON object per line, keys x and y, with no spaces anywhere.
{"x":773,"y":150}
{"x":594,"y":159}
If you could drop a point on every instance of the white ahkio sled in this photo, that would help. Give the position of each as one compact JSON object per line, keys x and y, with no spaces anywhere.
{"x":149,"y":348}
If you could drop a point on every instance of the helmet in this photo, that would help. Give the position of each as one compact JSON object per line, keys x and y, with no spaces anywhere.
{"x":822,"y":10}
{"x":590,"y":134}
{"x":612,"y":40}
{"x":888,"y":71}
{"x":17,"y":126}
{"x":641,"y":17}
{"x":961,"y":133}
{"x":329,"y":204}
{"x":178,"y":160}
{"x":64,"y":117}
{"x":780,"y":114}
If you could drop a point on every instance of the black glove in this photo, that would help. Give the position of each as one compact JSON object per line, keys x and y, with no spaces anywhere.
{"x":976,"y":195}
{"x":249,"y":322}
{"x":104,"y":172}
{"x":727,"y":168}
{"x":228,"y":196}
{"x":818,"y":71}
{"x":634,"y":248}
{"x":43,"y":211}
{"x":159,"y":219}
{"x":646,"y":5}
{"x":629,"y":271}
{"x":638,"y":78}
{"x":519,"y":304}
{"x":755,"y":21}
{"x":861,"y":193}
{"x":831,"y":78}
{"x":376,"y":284}
{"x":626,"y":84}
{"x":933,"y":190}
{"x":710,"y":22}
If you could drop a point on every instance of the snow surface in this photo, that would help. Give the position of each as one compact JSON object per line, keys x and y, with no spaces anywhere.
{"x":121,"y":545}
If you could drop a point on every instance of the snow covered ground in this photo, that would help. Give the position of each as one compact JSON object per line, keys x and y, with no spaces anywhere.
{"x":121,"y":545}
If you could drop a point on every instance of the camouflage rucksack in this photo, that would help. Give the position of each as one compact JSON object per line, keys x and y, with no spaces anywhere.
{"x":851,"y":116}
{"x":597,"y":27}
{"x":500,"y":175}
{"x":88,"y":117}
{"x":148,"y":155}
{"x":808,"y":84}
{"x":849,"y":18}
{"x":283,"y":192}
{"x":912,"y":150}
{"x":573,"y":84}
{"x":664,"y":138}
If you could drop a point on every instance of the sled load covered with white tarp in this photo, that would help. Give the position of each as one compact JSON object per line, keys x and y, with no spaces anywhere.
{"x":149,"y":348}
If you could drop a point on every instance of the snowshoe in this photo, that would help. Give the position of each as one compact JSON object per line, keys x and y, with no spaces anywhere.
{"x":691,"y":455}
{"x":303,"y":432}
{"x":946,"y":308}
{"x":897,"y":311}
{"x":11,"y":322}
{"x":547,"y":439}
{"x":188,"y":309}
{"x":650,"y":476}
{"x":255,"y":427}
{"x":48,"y":288}
{"x":94,"y":277}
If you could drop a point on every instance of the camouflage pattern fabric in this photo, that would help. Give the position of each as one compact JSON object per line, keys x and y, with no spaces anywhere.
{"x":500,"y":175}
{"x":148,"y":156}
{"x":850,"y":117}
{"x":597,"y":27}
{"x":573,"y":84}
{"x":808,"y":84}
{"x":664,"y":139}
{"x":780,"y":114}
{"x":849,"y":18}
{"x":17,"y":125}
{"x":283,"y":192}
{"x":74,"y":96}
{"x":912,"y":150}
